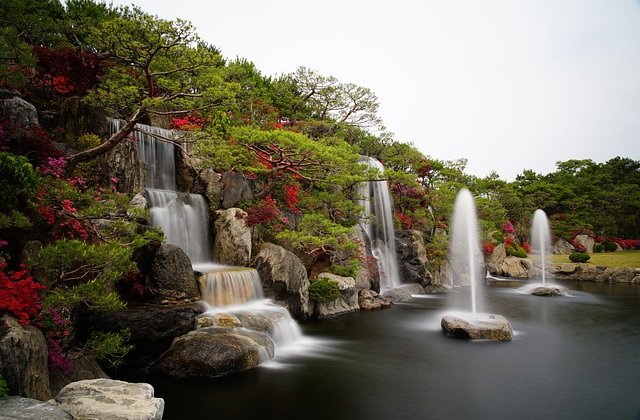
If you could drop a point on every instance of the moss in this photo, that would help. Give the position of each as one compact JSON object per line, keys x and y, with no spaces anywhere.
{"x":323,"y":290}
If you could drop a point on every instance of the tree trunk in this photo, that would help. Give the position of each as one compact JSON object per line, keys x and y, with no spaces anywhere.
{"x":103,"y":148}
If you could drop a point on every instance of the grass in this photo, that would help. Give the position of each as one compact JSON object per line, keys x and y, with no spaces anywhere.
{"x":629,"y":258}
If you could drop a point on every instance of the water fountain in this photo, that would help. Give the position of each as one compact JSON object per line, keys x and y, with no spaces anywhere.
{"x":465,"y":259}
{"x":184,"y":219}
{"x":377,"y":222}
{"x":542,"y":250}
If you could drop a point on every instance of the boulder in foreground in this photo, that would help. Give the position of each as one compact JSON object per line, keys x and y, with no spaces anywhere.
{"x":487,"y":327}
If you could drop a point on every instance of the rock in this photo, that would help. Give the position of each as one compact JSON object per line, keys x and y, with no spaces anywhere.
{"x":412,"y":257}
{"x":566,"y":268}
{"x":368,"y":277}
{"x":346,"y":302}
{"x":232,"y":243}
{"x":586,"y":241}
{"x":123,"y":162}
{"x":443,"y":276}
{"x":211,"y":187}
{"x":403,"y":292}
{"x":562,"y":247}
{"x":19,"y":408}
{"x":83,"y":368}
{"x":235,"y":188}
{"x":152,"y":328}
{"x":434,"y":288}
{"x":550,"y":290}
{"x":486,"y":327}
{"x":110,"y":399}
{"x":172,"y":276}
{"x":137,"y":207}
{"x":24,"y":360}
{"x":370,"y":299}
{"x":29,"y":249}
{"x":635,"y":280}
{"x":616,"y":275}
{"x":218,"y":319}
{"x":513,"y":267}
{"x":212,"y":352}
{"x":496,"y":258}
{"x":284,"y":278}
{"x":16,"y":111}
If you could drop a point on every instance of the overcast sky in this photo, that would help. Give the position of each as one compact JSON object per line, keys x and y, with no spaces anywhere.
{"x":507,"y":84}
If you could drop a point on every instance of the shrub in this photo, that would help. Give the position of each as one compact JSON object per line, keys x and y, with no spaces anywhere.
{"x":323,"y":290}
{"x":84,"y":142}
{"x":609,"y":246}
{"x":598,"y":248}
{"x":579,"y":257}
{"x":19,"y":294}
{"x":18,"y":181}
{"x":516,"y":250}
{"x":4,"y":389}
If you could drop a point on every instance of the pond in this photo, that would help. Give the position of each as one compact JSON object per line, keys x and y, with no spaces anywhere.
{"x":572,"y":357}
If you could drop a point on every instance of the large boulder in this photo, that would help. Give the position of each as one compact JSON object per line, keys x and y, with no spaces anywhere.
{"x":412,"y":257}
{"x":123,"y":162}
{"x":110,"y":399}
{"x":403,"y":293}
{"x":235,"y":188}
{"x":172,"y":275}
{"x":232,"y":243}
{"x":16,"y":110}
{"x":443,"y":276}
{"x":346,"y":302}
{"x":368,"y":276}
{"x":485,"y":327}
{"x":496,"y":258}
{"x":211,"y":352}
{"x":617,"y":275}
{"x":370,"y":299}
{"x":152,"y":328}
{"x":284,"y":278}
{"x":515,"y":267}
{"x":83,"y":368}
{"x":586,"y":241}
{"x":24,"y":360}
{"x":563,"y":247}
{"x":19,"y":408}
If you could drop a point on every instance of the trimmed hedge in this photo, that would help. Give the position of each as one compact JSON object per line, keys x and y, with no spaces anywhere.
{"x":579,"y":257}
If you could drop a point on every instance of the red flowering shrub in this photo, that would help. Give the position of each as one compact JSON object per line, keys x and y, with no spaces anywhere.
{"x":262,"y":213}
{"x":19,"y":294}
{"x":527,"y":247}
{"x":508,"y":241}
{"x":188,"y":122}
{"x":406,"y":221}
{"x":291,"y":196}
{"x":488,"y":248}
{"x":65,"y":71}
{"x":508,"y":227}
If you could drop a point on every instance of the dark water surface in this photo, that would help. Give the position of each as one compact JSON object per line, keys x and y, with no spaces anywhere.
{"x":573,"y":357}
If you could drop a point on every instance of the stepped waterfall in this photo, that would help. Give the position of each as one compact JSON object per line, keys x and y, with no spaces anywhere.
{"x":184,"y":219}
{"x":377,"y":222}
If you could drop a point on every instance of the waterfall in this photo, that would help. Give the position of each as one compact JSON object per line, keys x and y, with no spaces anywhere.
{"x":377,"y":222}
{"x":184,"y":219}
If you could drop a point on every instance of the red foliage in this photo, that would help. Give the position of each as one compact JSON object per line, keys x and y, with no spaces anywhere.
{"x":262,"y":213}
{"x":508,"y":241}
{"x":291,"y":196}
{"x":406,"y":221}
{"x":19,"y":294}
{"x":34,"y":143}
{"x":188,"y":122}
{"x":65,"y":71}
{"x":488,"y":248}
{"x":527,"y":247}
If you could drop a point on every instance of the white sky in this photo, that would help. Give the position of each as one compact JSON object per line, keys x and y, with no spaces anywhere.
{"x":508,"y":84}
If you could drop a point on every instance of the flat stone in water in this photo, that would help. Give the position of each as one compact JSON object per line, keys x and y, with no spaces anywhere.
{"x":486,"y":327}
{"x":549,"y":291}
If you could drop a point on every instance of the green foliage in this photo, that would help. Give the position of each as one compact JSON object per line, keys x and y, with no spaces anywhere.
{"x":609,"y":246}
{"x":85,"y":141}
{"x":19,"y":180}
{"x":81,"y":273}
{"x":598,"y":247}
{"x":579,"y":257}
{"x":109,"y":346}
{"x":4,"y":388}
{"x":323,"y":290}
{"x":516,"y":250}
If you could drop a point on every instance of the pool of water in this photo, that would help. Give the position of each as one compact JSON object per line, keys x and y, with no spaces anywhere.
{"x":572,"y":357}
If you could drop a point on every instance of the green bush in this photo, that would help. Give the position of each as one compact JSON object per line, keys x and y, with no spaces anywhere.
{"x":18,"y":181}
{"x":323,"y":290}
{"x":579,"y":257}
{"x":85,"y":141}
{"x":598,"y":248}
{"x":4,"y":389}
{"x":609,"y":246}
{"x":516,"y":251}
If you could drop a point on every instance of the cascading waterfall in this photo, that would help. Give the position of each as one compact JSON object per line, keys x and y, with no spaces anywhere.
{"x":377,"y":221}
{"x":184,"y":219}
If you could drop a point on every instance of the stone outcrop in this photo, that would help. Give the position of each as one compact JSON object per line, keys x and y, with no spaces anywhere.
{"x":214,"y":351}
{"x":232,"y":242}
{"x":515,"y":267}
{"x":487,"y":327}
{"x":123,"y":162}
{"x":137,"y":207}
{"x":496,"y":258}
{"x":20,"y":408}
{"x":403,"y":292}
{"x":368,"y":276}
{"x":284,"y":279}
{"x":172,"y":276}
{"x":110,"y":399}
{"x":586,"y":241}
{"x":152,"y":328}
{"x":370,"y":299}
{"x":24,"y":360}
{"x":83,"y":368}
{"x":193,"y":174}
{"x":235,"y":188}
{"x":346,"y":302}
{"x":412,"y":257}
{"x":588,"y":272}
{"x":442,"y":276}
{"x":16,"y":110}
{"x":563,"y":247}
{"x":551,"y":290}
